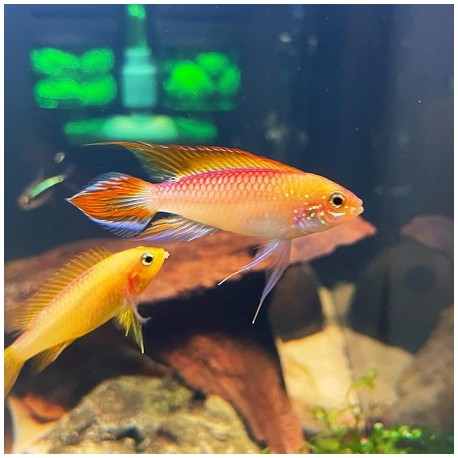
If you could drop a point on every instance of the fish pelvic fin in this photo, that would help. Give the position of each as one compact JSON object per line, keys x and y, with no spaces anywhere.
{"x":175,"y":229}
{"x":12,"y":366}
{"x":120,"y":203}
{"x":129,"y":320}
{"x":279,"y":260}
{"x":45,"y":358}
{"x":277,"y":252}
{"x":19,"y":318}
{"x":167,"y":162}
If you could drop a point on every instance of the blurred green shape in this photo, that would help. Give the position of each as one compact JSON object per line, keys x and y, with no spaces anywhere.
{"x":57,"y":89}
{"x":136,"y":11}
{"x":213,"y":62}
{"x":53,"y":61}
{"x":229,"y":82}
{"x":154,"y":128}
{"x":99,"y":60}
{"x":84,"y":127}
{"x":188,"y":80}
{"x":98,"y":91}
{"x":196,"y":130}
{"x":209,"y":81}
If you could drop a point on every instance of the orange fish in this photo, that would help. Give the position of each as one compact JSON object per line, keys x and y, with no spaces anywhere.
{"x":215,"y":188}
{"x":88,"y":291}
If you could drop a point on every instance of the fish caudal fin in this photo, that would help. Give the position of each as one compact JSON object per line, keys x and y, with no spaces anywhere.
{"x":13,"y":366}
{"x":120,"y":203}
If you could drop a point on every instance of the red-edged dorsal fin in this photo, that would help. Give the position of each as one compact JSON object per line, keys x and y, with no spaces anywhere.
{"x":166,"y":162}
{"x":20,"y":317}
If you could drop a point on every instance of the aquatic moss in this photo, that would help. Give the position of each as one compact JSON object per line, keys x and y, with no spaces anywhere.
{"x":338,"y":437}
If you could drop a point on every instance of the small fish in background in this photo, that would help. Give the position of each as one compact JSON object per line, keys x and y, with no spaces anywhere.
{"x":92,"y":288}
{"x":59,"y":157}
{"x":216,"y":188}
{"x":40,"y":190}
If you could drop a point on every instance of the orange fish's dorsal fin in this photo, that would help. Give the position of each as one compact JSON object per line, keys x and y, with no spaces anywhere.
{"x":45,"y":358}
{"x":165,"y":162}
{"x":127,"y":321}
{"x":20,"y":318}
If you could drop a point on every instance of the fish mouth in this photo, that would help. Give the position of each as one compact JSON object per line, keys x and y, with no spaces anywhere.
{"x":360,"y":208}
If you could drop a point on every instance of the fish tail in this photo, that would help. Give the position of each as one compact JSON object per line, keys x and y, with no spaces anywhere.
{"x":121,"y":203}
{"x":13,"y":366}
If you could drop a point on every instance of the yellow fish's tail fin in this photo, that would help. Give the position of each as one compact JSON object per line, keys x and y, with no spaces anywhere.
{"x":121,"y":203}
{"x":13,"y":366}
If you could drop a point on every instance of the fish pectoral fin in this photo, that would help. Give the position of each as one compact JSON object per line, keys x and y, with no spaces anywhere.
{"x":129,"y":319}
{"x":175,"y":229}
{"x":45,"y":358}
{"x":278,"y":253}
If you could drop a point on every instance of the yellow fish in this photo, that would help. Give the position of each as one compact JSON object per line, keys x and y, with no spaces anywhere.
{"x":91,"y":289}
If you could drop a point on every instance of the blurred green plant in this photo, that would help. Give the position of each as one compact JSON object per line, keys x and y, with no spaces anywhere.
{"x":339,"y":437}
{"x":69,"y":81}
{"x":209,"y":81}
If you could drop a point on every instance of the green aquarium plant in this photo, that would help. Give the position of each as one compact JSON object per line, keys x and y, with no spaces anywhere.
{"x":360,"y":437}
{"x":70,"y":81}
{"x":337,"y":437}
{"x":208,"y":81}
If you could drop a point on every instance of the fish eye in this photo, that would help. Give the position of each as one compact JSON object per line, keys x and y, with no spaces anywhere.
{"x":147,"y":259}
{"x":336,"y":199}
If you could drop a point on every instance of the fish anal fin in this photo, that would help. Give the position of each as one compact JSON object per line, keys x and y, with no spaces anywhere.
{"x":45,"y":358}
{"x":20,"y":317}
{"x":175,"y":229}
{"x":165,"y":162}
{"x":128,"y":321}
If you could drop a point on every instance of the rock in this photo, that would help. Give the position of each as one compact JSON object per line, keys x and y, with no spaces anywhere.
{"x":425,"y":387}
{"x":434,"y":231}
{"x":319,"y":369}
{"x":295,"y":307}
{"x":147,"y":415}
{"x":400,"y":295}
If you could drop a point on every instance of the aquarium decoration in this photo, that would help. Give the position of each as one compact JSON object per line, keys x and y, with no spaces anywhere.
{"x":70,"y":81}
{"x":139,"y":95}
{"x":139,"y":72}
{"x":161,"y":128}
{"x":210,"y":81}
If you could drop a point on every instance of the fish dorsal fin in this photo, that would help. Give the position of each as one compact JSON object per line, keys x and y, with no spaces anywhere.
{"x":21,"y":317}
{"x":127,"y":321}
{"x":165,"y":162}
